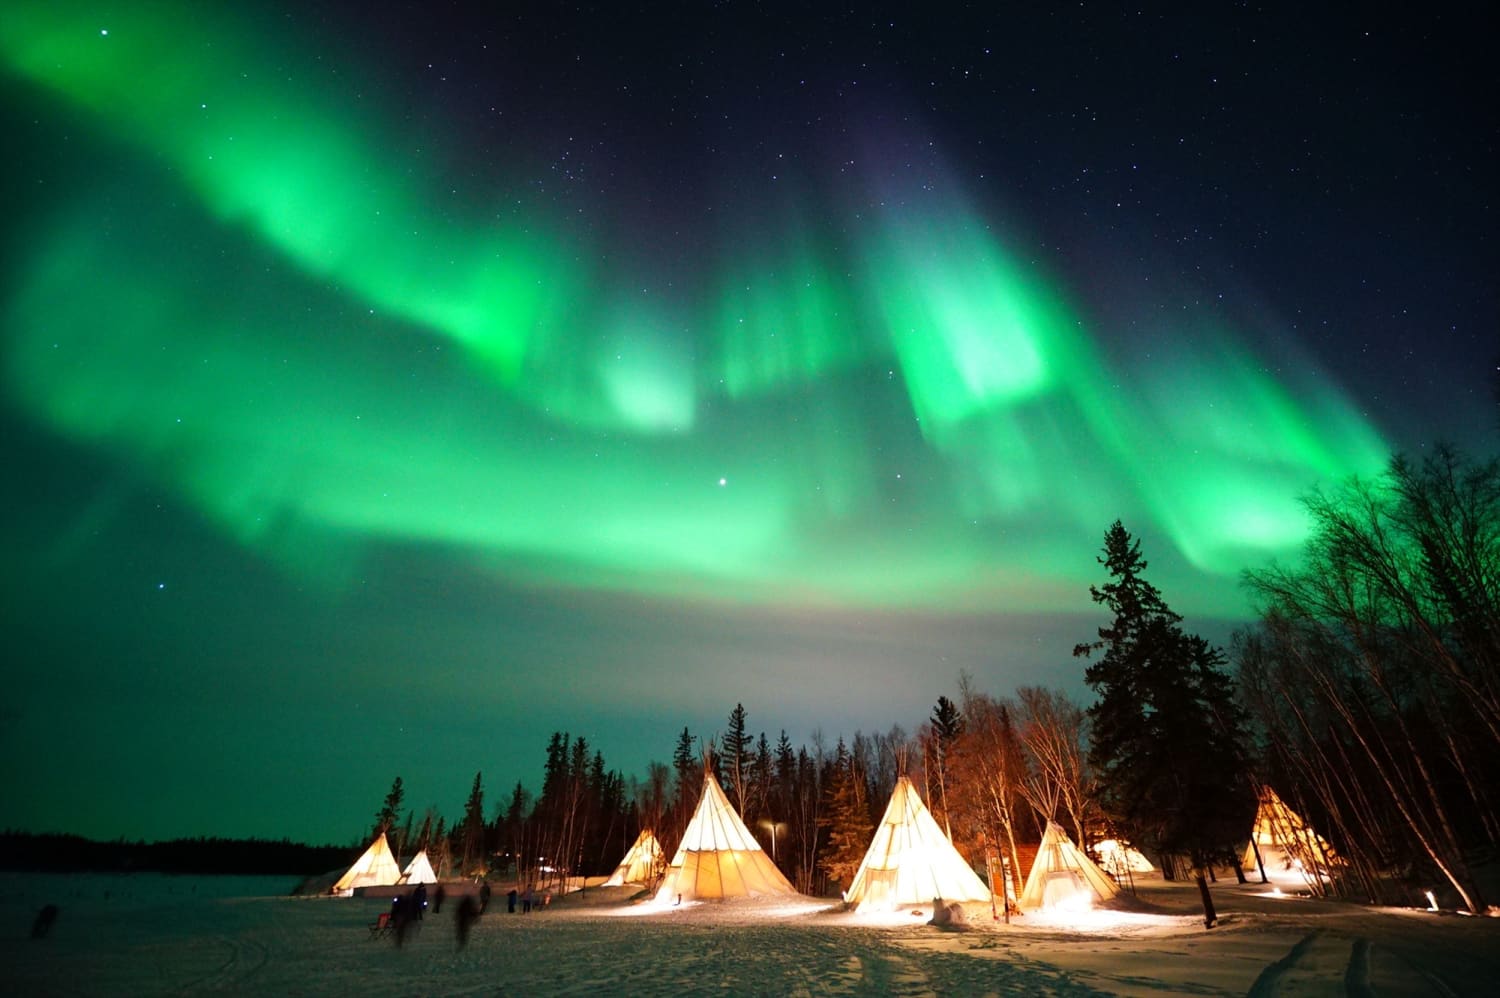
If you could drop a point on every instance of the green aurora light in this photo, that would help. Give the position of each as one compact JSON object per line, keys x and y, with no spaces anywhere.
{"x":271,"y":303}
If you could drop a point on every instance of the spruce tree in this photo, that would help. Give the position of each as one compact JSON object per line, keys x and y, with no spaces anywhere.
{"x":688,"y":767}
{"x":385,"y":818}
{"x":472,"y":830}
{"x":736,"y":742}
{"x":947,"y":725}
{"x":759,"y":784}
{"x":1168,"y":739}
{"x":847,"y":819}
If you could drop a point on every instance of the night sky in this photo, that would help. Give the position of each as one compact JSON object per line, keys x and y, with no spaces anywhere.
{"x":384,"y":391}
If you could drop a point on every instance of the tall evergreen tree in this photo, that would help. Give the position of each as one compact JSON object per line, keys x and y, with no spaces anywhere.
{"x":847,"y":819}
{"x":687,"y":769}
{"x":1168,"y":739}
{"x":759,"y":782}
{"x":806,"y":817}
{"x":517,"y":838}
{"x":406,"y":833}
{"x":385,"y":818}
{"x":735,"y":757}
{"x":472,"y":830}
{"x":946,"y":725}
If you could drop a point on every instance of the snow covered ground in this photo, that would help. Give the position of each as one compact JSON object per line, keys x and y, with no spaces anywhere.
{"x":153,"y":935}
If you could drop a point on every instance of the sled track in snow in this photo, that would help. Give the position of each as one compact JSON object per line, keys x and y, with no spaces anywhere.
{"x":244,"y":960}
{"x":1268,"y":984}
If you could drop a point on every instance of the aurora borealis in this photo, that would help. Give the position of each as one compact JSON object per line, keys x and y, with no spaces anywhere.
{"x":466,"y":376}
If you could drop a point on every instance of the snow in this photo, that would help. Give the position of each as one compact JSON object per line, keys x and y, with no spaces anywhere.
{"x":148,"y":935}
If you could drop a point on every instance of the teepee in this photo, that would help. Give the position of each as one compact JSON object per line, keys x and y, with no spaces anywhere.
{"x":719,"y":858}
{"x":1286,"y":842}
{"x":419,"y":870}
{"x":911,"y":861}
{"x":640,"y":863}
{"x":1118,"y":859}
{"x":1063,"y":875}
{"x":376,"y":868}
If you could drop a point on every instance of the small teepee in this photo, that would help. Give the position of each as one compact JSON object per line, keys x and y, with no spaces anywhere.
{"x":1286,"y":842}
{"x":376,"y":868}
{"x":1063,"y":875}
{"x":719,"y":858}
{"x":1118,"y":859}
{"x":419,"y":870}
{"x":910,"y":860}
{"x":640,"y":865}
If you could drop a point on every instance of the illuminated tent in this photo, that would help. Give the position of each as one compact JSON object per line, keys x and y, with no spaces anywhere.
{"x":719,"y":858}
{"x":1118,"y":859}
{"x":911,"y":861}
{"x":1286,"y":842}
{"x":419,"y":870}
{"x":1063,"y":875}
{"x":376,"y":868}
{"x":640,"y":863}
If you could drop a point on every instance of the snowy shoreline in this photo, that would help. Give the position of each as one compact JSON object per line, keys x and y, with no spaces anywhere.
{"x":140,"y":934}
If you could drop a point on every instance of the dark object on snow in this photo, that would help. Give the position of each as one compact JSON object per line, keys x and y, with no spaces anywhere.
{"x":381,"y":926}
{"x":44,"y":920}
{"x":437,"y":900}
{"x":468,"y":914}
{"x":510,"y":900}
{"x":1210,"y":915}
{"x":484,"y":897}
{"x":419,"y":901}
{"x":404,"y":912}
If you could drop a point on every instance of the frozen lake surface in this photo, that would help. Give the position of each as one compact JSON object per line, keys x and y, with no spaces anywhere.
{"x":148,"y":934}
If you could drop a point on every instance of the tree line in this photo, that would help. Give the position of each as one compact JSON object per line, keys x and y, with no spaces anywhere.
{"x":59,"y":853}
{"x":1373,"y":677}
{"x":1367,"y":693}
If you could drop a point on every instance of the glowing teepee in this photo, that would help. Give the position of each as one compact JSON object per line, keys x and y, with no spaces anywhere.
{"x":1118,"y":859}
{"x":641,"y":864}
{"x":1063,"y":876}
{"x":910,"y":860}
{"x":1286,"y":842}
{"x":376,"y":868}
{"x":419,"y":870}
{"x":719,"y":858}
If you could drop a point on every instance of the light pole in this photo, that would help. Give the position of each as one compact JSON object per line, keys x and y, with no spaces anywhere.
{"x":773,"y":827}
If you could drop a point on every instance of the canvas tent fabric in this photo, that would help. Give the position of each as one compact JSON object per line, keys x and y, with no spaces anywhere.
{"x":376,"y":868}
{"x":640,"y":861}
{"x":719,"y":858}
{"x":1063,"y":874}
{"x":1286,"y":842}
{"x":419,"y":870}
{"x":910,"y":861}
{"x":1118,"y":859}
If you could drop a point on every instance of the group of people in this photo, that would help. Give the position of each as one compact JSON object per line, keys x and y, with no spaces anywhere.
{"x":528,"y":900}
{"x":408,"y":909}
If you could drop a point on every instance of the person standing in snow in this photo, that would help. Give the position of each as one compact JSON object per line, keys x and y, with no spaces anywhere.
{"x":468,"y":914}
{"x":419,"y":902}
